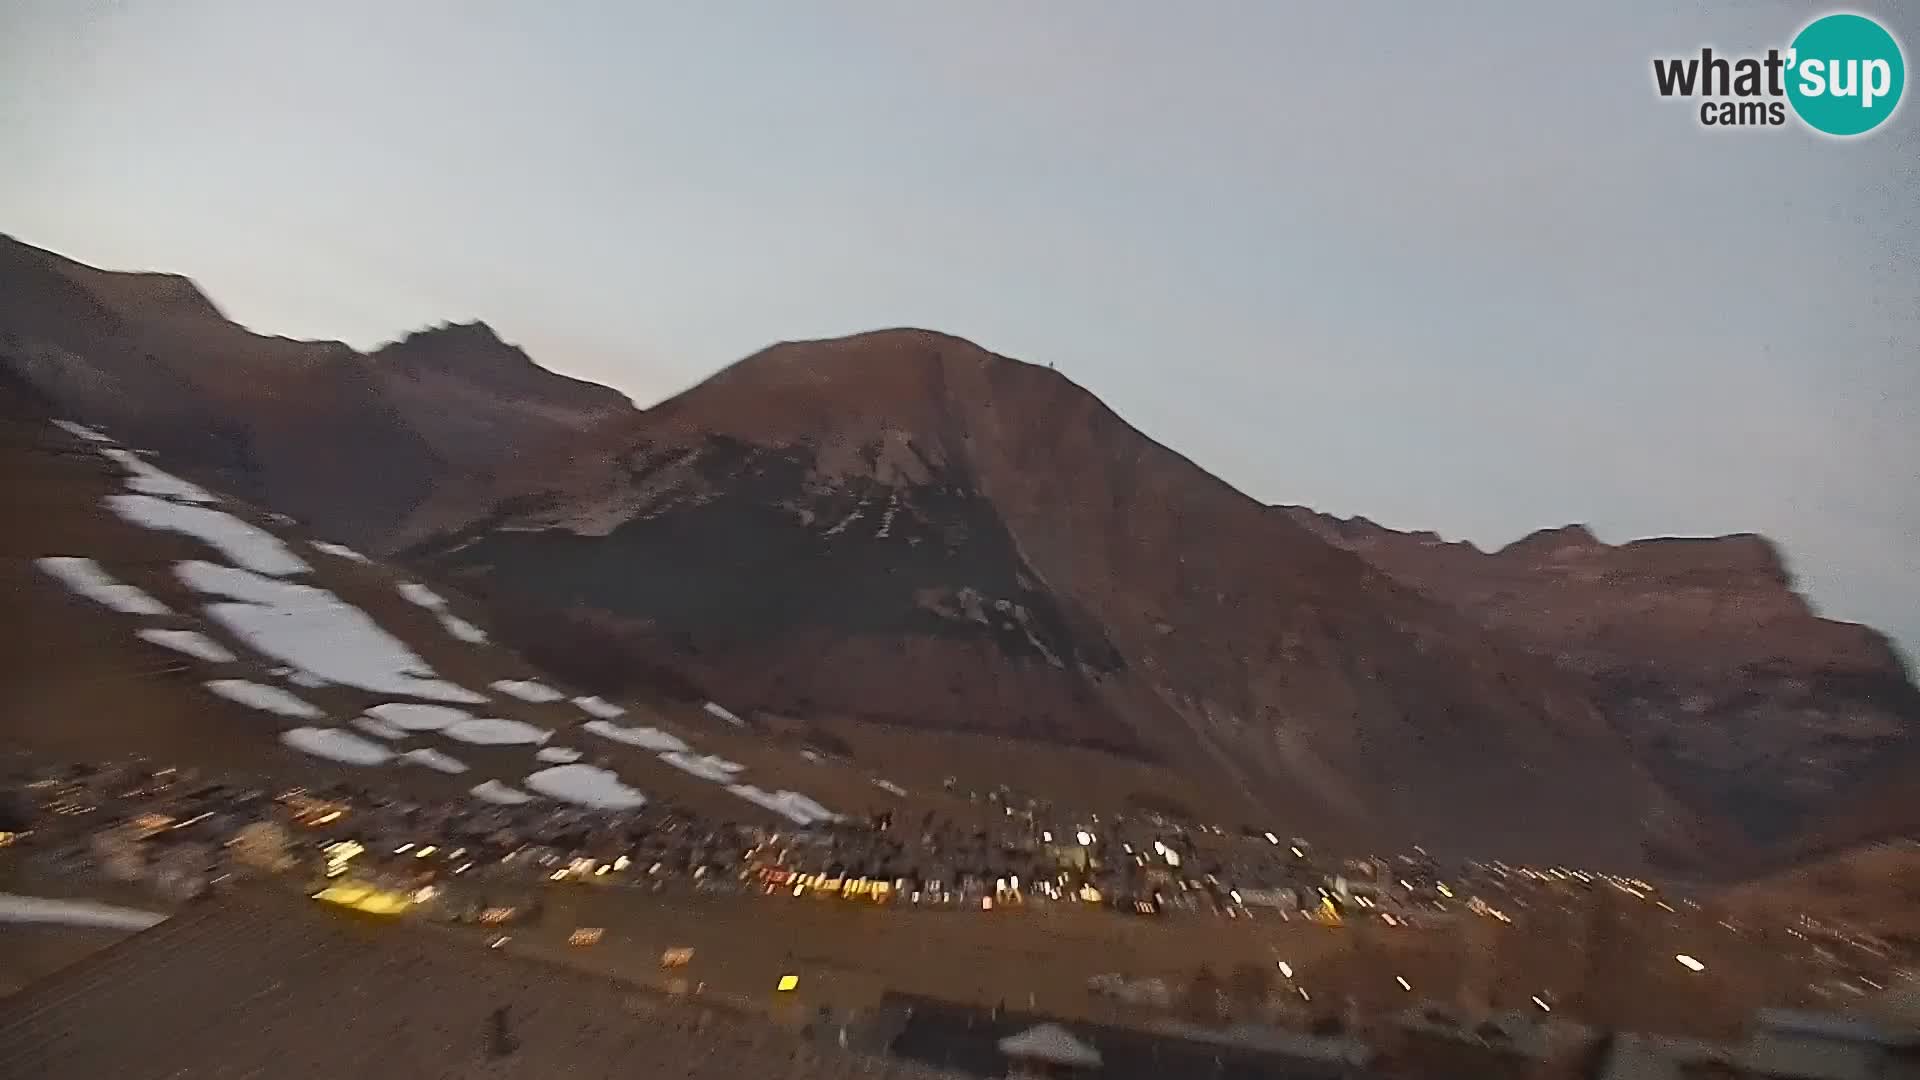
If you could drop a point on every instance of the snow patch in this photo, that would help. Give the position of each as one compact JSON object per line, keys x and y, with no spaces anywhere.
{"x":415,"y":593}
{"x":645,"y":738}
{"x":538,"y":693}
{"x":248,"y":546}
{"x":81,"y":431}
{"x":147,"y":480}
{"x":585,"y":785}
{"x":263,"y":697}
{"x":336,"y":745}
{"x":84,"y":576}
{"x":716,"y":709}
{"x":494,"y":791}
{"x":15,"y":908}
{"x":491,"y":732}
{"x":705,"y":766}
{"x":413,"y":716}
{"x":191,"y":642}
{"x":338,"y":551}
{"x":435,"y":760}
{"x":558,"y":754}
{"x":791,"y":805}
{"x":599,"y":709}
{"x":316,"y":632}
{"x":379,"y":728}
{"x":462,"y":629}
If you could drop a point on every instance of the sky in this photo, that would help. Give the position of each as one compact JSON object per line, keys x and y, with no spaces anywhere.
{"x":1451,"y":269}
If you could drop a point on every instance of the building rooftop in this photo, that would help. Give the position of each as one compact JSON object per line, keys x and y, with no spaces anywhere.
{"x":265,"y":986}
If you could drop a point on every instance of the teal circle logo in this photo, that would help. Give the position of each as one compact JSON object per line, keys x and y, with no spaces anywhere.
{"x":1845,"y":75}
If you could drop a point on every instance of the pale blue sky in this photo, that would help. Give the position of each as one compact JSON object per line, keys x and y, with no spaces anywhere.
{"x":1452,"y":269}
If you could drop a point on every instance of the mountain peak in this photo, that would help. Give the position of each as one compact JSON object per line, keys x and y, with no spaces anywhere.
{"x":451,"y":344}
{"x":1572,"y":537}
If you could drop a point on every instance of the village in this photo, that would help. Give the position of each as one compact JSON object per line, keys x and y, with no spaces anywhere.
{"x":1130,"y":922}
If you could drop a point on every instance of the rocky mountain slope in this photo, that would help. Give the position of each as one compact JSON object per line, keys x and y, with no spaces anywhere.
{"x":906,"y":528}
{"x":1738,"y":695}
{"x":148,"y":615}
{"x":312,"y":428}
{"x":911,"y":541}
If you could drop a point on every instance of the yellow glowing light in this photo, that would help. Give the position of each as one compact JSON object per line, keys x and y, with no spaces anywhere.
{"x":1444,"y":891}
{"x":424,"y":852}
{"x":586,"y":935}
{"x":327,"y":818}
{"x":787,"y":983}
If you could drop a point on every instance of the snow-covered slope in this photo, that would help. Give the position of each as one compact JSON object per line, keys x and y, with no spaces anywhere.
{"x":192,"y":626}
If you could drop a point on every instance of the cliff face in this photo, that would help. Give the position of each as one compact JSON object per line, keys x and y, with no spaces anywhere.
{"x":311,"y":428}
{"x":905,"y":527}
{"x":1739,"y":697}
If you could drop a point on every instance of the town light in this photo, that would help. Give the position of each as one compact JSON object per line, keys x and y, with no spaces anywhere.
{"x":1544,"y":1007}
{"x":1402,"y":980}
{"x":1689,"y":962}
{"x":1085,"y":838}
{"x":788,"y":983}
{"x":1286,"y":970}
{"x":1272,"y":839}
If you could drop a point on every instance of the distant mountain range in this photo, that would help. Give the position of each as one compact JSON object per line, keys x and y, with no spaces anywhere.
{"x":902,"y":529}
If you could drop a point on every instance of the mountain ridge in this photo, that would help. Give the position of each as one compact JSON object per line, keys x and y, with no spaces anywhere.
{"x":903,"y":527}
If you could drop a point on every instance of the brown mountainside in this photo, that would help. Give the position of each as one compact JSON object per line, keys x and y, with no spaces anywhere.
{"x":901,"y":527}
{"x":1741,"y":698}
{"x":312,"y":428}
{"x":905,"y":527}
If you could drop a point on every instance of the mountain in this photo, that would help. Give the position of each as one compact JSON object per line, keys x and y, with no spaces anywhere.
{"x":905,"y":529}
{"x":910,"y":548}
{"x":1740,"y":697}
{"x":148,"y":615}
{"x":312,"y":428}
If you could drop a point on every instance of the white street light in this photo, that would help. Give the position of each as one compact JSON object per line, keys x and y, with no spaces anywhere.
{"x":1689,"y":962}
